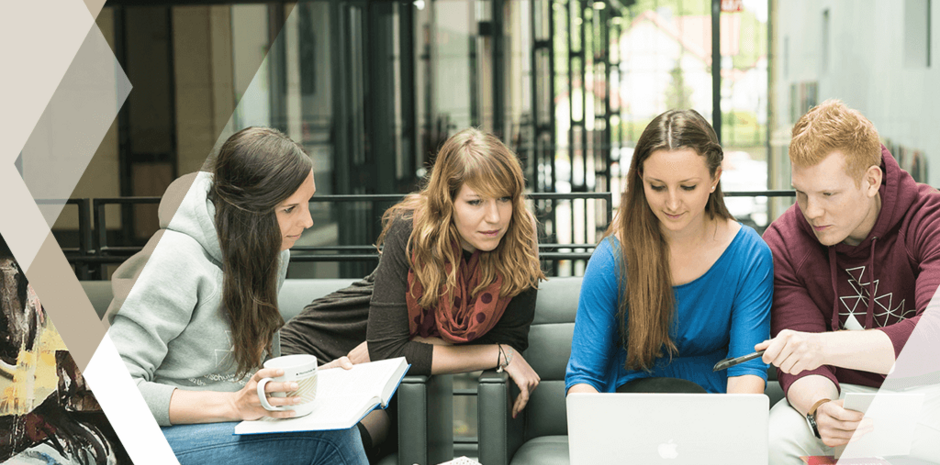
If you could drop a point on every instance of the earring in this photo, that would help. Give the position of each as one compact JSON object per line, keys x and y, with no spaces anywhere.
{"x":713,"y":188}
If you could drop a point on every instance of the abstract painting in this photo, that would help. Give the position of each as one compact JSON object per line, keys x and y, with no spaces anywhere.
{"x":47,"y":413}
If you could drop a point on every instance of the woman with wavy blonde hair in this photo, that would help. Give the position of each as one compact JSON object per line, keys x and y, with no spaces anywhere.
{"x":488,"y":175}
{"x":455,"y":287}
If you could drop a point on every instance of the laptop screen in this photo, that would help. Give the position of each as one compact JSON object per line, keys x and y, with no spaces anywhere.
{"x":677,"y":429}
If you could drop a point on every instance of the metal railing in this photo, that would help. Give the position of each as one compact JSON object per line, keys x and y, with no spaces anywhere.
{"x":96,"y":251}
{"x":81,"y":255}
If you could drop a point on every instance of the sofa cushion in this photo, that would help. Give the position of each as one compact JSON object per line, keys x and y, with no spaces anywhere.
{"x":551,"y":331}
{"x":549,"y":349}
{"x":546,"y":450}
{"x":548,"y":353}
{"x":557,"y":301}
{"x":546,"y":413}
{"x":298,"y":293}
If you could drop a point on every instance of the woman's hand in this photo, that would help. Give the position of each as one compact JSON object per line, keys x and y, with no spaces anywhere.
{"x":360,"y":354}
{"x":525,"y":377}
{"x":247,"y":406}
{"x":342,"y":362}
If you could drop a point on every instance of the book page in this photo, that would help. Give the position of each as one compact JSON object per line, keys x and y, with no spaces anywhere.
{"x":335,"y":413}
{"x":394,"y":381}
{"x":343,"y":398}
{"x":365,"y":379}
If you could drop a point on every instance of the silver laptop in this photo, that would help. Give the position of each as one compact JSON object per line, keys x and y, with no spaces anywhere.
{"x":674,"y":429}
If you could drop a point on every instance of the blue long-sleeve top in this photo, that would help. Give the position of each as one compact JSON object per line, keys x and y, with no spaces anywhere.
{"x":723,"y":313}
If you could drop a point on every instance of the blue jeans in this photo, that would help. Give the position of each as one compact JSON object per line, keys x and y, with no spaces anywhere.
{"x":216,"y":443}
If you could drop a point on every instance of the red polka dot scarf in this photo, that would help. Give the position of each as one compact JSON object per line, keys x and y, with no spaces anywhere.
{"x":457,"y":317}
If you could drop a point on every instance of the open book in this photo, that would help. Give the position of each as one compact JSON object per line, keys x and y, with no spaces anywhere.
{"x":343,"y":398}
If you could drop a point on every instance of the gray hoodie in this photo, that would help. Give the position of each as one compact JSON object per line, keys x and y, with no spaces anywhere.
{"x":170,"y":330}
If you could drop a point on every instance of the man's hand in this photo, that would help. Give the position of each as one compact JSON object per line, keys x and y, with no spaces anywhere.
{"x":794,"y":351}
{"x":836,"y":424}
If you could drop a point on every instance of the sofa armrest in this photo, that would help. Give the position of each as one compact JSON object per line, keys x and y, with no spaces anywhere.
{"x":500,"y":435}
{"x":425,"y":420}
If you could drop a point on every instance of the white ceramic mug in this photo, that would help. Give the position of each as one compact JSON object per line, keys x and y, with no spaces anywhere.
{"x":301,"y":369}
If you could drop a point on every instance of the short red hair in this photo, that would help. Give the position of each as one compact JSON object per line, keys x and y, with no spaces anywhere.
{"x":832,"y":126}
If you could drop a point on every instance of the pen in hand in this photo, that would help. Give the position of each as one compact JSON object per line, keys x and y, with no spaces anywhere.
{"x":730,"y":362}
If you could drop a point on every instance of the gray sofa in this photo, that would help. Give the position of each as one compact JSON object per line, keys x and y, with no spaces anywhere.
{"x":425,"y":413}
{"x":539,"y":435}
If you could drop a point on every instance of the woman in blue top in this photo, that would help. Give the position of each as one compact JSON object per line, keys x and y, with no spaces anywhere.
{"x":677,"y":284}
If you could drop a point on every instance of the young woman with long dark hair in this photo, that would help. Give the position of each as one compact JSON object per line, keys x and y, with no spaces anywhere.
{"x":202,"y":316}
{"x":676,"y":284}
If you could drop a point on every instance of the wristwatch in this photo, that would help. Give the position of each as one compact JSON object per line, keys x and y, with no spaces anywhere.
{"x":811,"y":417}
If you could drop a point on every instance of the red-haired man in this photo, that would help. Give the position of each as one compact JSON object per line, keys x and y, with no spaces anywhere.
{"x":856,"y":261}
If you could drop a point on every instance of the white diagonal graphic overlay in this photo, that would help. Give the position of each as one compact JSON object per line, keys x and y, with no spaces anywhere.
{"x":125,"y":407}
{"x":917,"y":371}
{"x":40,"y":39}
{"x":73,"y":124}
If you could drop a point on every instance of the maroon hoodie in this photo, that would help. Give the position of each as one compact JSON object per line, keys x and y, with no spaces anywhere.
{"x":819,"y":288}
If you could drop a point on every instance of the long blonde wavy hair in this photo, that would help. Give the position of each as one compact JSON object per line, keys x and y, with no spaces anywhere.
{"x":483,"y":163}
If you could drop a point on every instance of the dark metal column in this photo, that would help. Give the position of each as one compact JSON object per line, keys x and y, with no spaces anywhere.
{"x":602,"y":158}
{"x":409,"y":117}
{"x":543,"y":92}
{"x":716,"y":67}
{"x":380,"y":100}
{"x":484,"y":29}
{"x":277,"y":67}
{"x":499,"y":70}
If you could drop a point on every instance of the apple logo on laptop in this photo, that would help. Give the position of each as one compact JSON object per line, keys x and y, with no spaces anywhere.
{"x":668,"y":450}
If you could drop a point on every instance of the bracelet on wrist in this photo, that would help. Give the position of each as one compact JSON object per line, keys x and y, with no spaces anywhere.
{"x":499,"y":356}
{"x":506,"y":358}
{"x":509,"y":356}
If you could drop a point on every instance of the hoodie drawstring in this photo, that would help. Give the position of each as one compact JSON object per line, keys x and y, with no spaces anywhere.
{"x":870,"y":315}
{"x":835,"y":288}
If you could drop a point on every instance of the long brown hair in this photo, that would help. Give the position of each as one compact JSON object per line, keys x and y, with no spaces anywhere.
{"x":487,"y":166}
{"x":647,"y":303}
{"x":256,"y":169}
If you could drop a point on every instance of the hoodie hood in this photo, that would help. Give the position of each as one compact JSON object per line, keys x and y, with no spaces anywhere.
{"x":195,"y":215}
{"x":898,"y":192}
